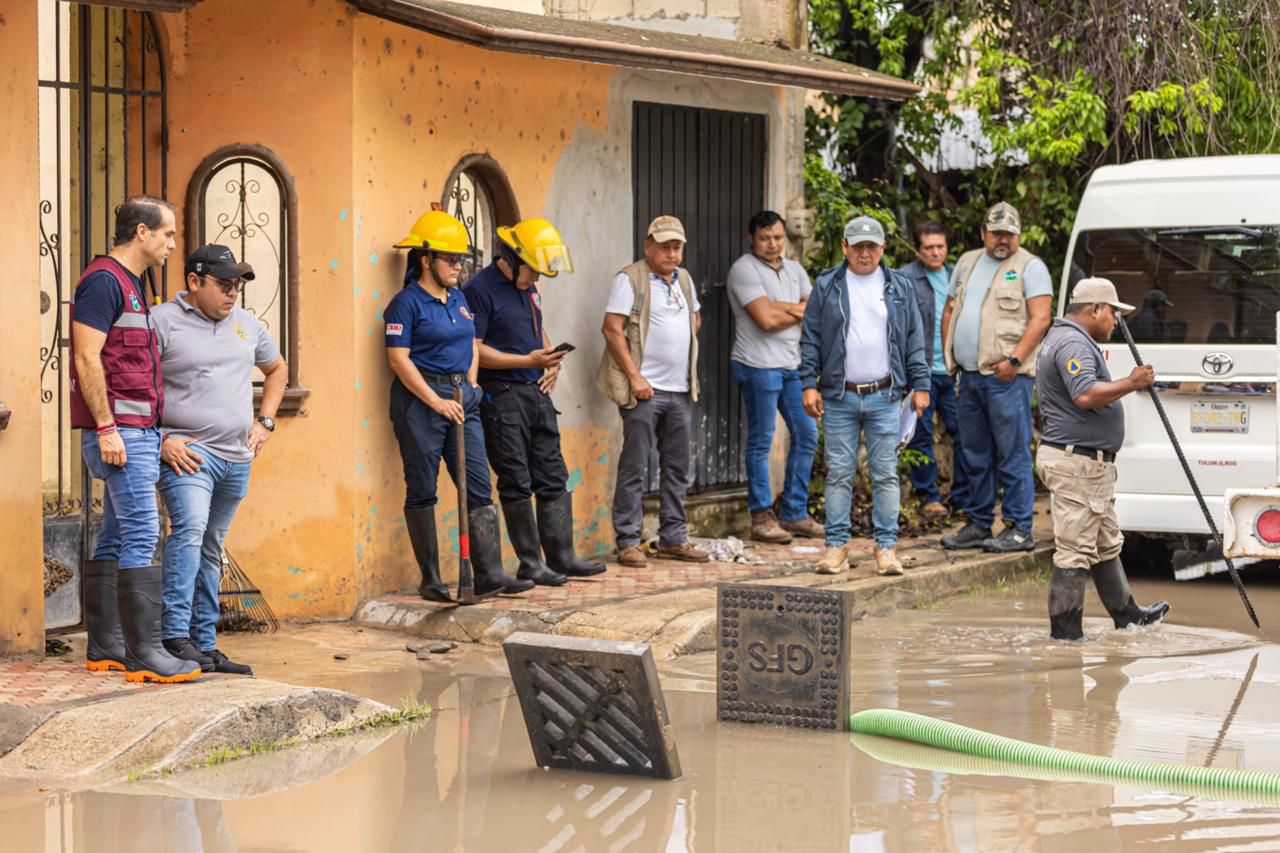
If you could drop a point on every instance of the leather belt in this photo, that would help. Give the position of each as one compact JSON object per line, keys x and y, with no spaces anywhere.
{"x":863,"y":388}
{"x":445,"y":378}
{"x":1091,"y":452}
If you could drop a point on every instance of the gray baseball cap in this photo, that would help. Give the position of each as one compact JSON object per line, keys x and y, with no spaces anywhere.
{"x":863,"y":229}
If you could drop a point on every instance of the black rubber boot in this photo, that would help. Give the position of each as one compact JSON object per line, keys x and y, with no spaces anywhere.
{"x":1066,"y":604}
{"x":486,"y":555}
{"x":1113,"y":588}
{"x":105,"y":650}
{"x":138,"y":595}
{"x":522,"y":530}
{"x":421,"y":521}
{"x":555,"y":529}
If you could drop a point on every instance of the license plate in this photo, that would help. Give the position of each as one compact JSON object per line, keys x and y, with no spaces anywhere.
{"x":1219,"y":417}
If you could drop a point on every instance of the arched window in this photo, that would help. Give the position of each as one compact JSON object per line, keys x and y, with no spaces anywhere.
{"x":478,"y":193}
{"x":242,"y":197}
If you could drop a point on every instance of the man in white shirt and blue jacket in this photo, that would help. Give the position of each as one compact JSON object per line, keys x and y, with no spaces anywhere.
{"x":862,"y":349}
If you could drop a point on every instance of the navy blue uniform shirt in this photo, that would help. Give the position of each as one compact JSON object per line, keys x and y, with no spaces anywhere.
{"x":508,"y":319}
{"x":440,"y":335}
{"x":99,"y":302}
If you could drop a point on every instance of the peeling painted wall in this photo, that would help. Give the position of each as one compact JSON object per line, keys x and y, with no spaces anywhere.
{"x":279,"y":75}
{"x":21,"y":558}
{"x":370,"y":118}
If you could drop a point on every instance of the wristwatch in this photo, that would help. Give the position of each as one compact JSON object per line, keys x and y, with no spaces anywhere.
{"x":267,"y":423}
{"x":1013,"y":359}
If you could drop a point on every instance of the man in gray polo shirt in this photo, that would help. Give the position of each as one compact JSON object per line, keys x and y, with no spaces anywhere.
{"x":767,"y":293}
{"x":1083,"y":430}
{"x":209,"y":346}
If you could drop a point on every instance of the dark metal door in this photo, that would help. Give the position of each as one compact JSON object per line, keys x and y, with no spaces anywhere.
{"x":706,"y":167}
{"x":102,"y":138}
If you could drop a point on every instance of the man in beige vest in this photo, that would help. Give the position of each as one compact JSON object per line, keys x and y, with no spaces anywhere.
{"x":997,"y":312}
{"x":650,"y":370}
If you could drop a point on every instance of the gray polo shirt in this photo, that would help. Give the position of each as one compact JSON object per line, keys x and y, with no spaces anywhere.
{"x":1068,"y":365}
{"x":749,"y":279}
{"x":208,"y":374}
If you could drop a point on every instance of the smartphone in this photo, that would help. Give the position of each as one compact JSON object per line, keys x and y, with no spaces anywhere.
{"x":566,"y":347}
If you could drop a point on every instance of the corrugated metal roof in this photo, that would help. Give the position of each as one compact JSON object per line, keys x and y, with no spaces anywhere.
{"x":610,"y":44}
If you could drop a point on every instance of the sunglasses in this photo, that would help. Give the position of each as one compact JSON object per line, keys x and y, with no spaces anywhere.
{"x":228,"y":288}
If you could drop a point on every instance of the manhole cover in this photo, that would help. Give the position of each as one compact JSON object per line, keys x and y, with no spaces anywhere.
{"x":783,"y":655}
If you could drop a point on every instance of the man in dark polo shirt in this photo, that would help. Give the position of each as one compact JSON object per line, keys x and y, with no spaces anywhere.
{"x":209,"y":346}
{"x":518,"y":370}
{"x":1083,"y":430}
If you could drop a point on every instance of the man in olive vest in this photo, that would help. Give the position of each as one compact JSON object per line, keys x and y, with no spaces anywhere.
{"x":650,"y":370}
{"x":997,"y":312}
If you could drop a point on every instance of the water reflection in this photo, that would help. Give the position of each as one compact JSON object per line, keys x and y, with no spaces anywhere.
{"x":463,"y":780}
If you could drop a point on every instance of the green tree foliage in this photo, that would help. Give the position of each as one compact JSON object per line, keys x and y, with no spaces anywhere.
{"x":1058,"y":88}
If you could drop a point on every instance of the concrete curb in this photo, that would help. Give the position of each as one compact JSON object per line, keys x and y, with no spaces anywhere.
{"x":682,"y":621}
{"x":174,"y":728}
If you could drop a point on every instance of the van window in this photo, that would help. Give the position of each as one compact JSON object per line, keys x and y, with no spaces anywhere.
{"x":1201,"y":285}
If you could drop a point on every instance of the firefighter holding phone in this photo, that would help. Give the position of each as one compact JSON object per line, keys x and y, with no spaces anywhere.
{"x":518,"y":371}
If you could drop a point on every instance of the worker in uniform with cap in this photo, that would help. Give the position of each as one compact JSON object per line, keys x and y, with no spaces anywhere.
{"x":518,"y":371}
{"x":997,"y":312}
{"x":431,"y":347}
{"x":1083,"y":428}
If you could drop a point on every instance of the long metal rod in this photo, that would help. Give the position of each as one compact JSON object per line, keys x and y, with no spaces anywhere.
{"x":1186,"y":469}
{"x":466,"y":583}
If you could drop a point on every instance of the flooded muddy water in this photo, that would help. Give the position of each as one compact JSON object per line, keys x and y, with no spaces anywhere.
{"x":1195,"y":692}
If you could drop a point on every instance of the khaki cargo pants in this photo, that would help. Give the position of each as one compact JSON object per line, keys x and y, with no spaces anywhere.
{"x":1085,"y":531}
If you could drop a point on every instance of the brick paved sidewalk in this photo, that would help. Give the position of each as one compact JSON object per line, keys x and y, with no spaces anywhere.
{"x":660,"y":575}
{"x":28,"y":682}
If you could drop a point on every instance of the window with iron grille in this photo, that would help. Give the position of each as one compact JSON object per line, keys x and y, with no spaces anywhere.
{"x":244,"y":198}
{"x":478,"y":194}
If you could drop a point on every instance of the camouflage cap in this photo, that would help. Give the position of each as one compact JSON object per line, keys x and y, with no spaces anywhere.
{"x":1003,"y":216}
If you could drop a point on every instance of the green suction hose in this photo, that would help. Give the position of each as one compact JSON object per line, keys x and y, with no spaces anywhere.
{"x":918,"y":728}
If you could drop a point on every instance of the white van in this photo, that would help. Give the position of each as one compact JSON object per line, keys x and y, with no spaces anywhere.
{"x":1195,"y":244}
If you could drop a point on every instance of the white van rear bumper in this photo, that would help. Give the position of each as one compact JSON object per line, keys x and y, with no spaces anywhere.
{"x":1166,"y":513}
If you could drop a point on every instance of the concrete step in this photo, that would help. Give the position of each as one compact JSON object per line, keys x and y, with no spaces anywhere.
{"x":173,"y":727}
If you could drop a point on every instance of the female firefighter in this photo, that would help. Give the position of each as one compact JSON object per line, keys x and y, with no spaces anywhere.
{"x":431,"y":347}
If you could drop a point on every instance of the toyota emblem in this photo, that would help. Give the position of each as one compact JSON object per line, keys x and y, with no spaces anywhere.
{"x":1217,"y":363}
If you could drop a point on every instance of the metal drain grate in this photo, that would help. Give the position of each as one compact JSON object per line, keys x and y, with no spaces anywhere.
{"x":592,"y":705}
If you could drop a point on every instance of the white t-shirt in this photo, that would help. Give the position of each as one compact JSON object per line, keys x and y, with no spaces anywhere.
{"x":866,"y":343}
{"x":665,"y":362}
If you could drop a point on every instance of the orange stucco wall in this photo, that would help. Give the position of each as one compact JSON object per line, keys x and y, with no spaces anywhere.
{"x":21,"y":557}
{"x":421,"y":104}
{"x":284,"y":82}
{"x":370,"y":118}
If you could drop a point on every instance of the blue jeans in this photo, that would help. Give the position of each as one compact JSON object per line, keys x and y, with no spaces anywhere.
{"x":995,"y":420}
{"x":130,"y":519}
{"x":766,"y":391}
{"x":200,"y":506}
{"x":874,"y":417}
{"x":924,"y":477}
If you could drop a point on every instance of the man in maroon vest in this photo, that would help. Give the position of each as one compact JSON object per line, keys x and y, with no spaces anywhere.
{"x":116,"y":400}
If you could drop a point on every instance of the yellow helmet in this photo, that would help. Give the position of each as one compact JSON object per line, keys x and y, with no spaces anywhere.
{"x":537,"y":243}
{"x":439,"y":232}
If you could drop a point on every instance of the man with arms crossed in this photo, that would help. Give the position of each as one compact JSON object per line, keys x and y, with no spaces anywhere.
{"x":767,"y":293}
